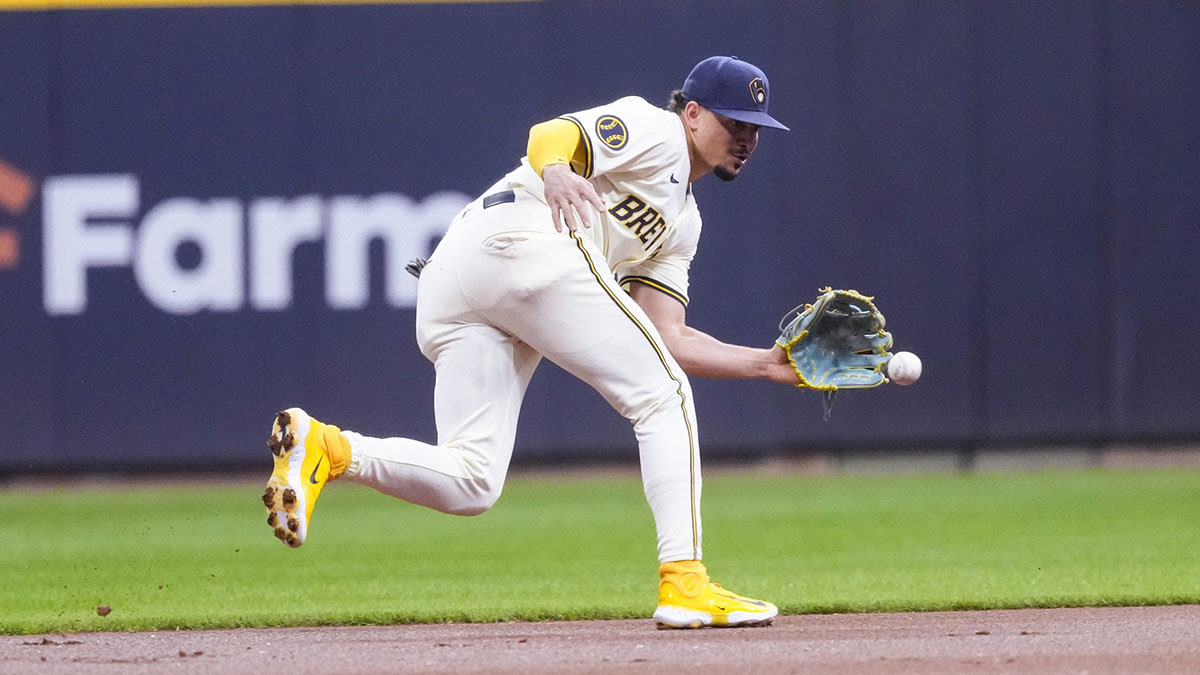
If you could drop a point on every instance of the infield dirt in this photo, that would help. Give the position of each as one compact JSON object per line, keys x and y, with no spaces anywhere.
{"x":1085,"y":640}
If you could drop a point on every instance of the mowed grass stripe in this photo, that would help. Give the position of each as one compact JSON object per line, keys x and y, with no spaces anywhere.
{"x":577,"y":548}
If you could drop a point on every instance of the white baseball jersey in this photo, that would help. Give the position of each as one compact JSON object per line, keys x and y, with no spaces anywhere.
{"x":637,"y":159}
{"x":505,"y":289}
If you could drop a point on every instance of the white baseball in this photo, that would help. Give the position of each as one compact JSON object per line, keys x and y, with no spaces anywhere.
{"x":904,"y":368}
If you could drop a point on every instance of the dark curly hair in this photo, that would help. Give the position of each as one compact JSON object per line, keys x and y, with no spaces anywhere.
{"x":677,"y":101}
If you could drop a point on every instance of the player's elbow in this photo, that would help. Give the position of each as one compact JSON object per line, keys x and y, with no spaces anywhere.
{"x":683,"y":347}
{"x":555,"y":141}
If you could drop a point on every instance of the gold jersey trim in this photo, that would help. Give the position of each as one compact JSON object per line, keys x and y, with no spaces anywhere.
{"x":693,"y":450}
{"x":588,"y":162}
{"x":657,"y":285}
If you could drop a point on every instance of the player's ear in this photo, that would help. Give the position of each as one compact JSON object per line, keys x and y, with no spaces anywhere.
{"x":691,"y":114}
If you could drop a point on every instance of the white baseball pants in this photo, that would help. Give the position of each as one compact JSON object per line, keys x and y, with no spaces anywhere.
{"x":502,"y":290}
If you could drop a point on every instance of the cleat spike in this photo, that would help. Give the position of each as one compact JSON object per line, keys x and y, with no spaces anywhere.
{"x":301,"y":457}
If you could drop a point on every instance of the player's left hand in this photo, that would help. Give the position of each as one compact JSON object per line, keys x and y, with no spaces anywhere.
{"x":779,"y":367}
{"x":569,"y":195}
{"x":837,"y":342}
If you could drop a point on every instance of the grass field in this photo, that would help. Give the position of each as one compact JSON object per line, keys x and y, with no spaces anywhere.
{"x":198,"y":556}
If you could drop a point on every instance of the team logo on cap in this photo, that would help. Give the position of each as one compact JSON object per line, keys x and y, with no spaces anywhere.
{"x":758,"y":91}
{"x":611,"y":131}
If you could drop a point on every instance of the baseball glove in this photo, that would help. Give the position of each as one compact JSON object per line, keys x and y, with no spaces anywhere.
{"x":837,"y":342}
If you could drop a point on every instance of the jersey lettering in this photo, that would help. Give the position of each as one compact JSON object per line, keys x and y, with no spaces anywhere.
{"x":641,"y":219}
{"x":628,"y":206}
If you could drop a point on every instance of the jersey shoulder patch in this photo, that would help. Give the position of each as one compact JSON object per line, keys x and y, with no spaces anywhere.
{"x":612,"y":132}
{"x":611,"y":128}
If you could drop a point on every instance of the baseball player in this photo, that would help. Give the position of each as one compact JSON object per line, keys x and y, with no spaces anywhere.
{"x":581,"y":256}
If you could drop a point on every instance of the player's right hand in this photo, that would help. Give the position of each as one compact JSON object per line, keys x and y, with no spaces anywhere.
{"x":569,"y":197}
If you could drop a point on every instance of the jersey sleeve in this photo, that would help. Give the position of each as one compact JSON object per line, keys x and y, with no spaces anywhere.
{"x":627,"y":135}
{"x":667,"y":269}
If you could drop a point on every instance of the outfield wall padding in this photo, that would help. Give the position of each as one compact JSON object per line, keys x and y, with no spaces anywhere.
{"x":1015,"y":182}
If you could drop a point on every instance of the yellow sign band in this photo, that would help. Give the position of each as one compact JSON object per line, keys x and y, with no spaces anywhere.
{"x":34,"y":5}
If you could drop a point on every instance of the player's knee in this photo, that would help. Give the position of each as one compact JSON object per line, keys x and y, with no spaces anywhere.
{"x":478,"y":495}
{"x":667,"y":399}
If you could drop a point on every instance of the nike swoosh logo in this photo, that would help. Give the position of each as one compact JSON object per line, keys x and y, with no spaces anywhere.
{"x":673,"y":179}
{"x":313,"y":478}
{"x":748,"y":601}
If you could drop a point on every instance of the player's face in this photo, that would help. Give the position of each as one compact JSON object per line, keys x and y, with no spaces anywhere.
{"x":725,"y":144}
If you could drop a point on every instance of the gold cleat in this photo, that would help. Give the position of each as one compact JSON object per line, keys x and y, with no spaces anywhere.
{"x":308,"y":454}
{"x":687,"y":599}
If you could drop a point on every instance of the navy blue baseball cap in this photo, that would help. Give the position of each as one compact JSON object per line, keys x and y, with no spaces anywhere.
{"x":731,"y":87}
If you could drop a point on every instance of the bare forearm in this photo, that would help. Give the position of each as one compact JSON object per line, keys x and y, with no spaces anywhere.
{"x":702,"y":355}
